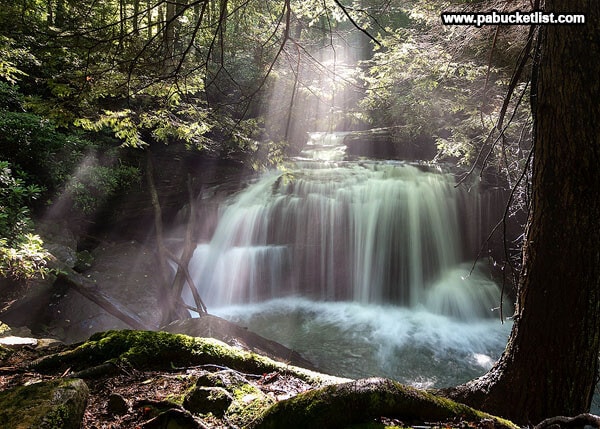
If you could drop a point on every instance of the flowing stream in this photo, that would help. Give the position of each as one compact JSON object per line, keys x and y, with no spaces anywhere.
{"x":364,"y":267}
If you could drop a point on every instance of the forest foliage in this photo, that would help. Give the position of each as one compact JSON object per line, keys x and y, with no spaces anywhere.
{"x":83,"y":83}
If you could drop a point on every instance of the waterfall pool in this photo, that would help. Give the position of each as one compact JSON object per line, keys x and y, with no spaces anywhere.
{"x":412,"y":345}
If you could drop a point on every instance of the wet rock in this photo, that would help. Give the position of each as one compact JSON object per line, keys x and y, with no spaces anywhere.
{"x":28,"y":308}
{"x":126,"y":272}
{"x":117,"y":405}
{"x":204,"y":400}
{"x":390,"y":143}
{"x":248,"y":402}
{"x":59,"y":240}
{"x":45,"y":405}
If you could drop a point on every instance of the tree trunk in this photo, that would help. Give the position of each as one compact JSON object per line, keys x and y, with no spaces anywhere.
{"x":149,"y":19}
{"x":165,"y":303}
{"x":136,"y":17}
{"x":49,"y":13}
{"x":169,"y":36}
{"x":122,"y":23}
{"x":59,"y":16}
{"x":550,"y":364}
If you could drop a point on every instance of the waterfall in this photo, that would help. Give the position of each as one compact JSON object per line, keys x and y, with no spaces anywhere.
{"x":362,"y":231}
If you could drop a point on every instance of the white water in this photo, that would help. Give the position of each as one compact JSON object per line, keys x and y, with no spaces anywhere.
{"x":370,"y":232}
{"x":412,"y":345}
{"x":360,"y":266}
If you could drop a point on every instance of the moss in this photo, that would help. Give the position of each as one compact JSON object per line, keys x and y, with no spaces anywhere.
{"x":163,"y":350}
{"x":4,"y":352}
{"x":58,"y":404}
{"x":248,"y":405}
{"x":4,"y":328}
{"x":339,"y":406}
{"x":146,"y":349}
{"x":175,"y":399}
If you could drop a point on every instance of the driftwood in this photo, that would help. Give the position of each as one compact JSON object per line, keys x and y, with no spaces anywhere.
{"x":182,"y":275}
{"x":173,"y":290}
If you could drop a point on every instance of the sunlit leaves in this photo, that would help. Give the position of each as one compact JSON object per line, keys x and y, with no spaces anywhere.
{"x":11,"y":57}
{"x":421,"y":81}
{"x":92,"y":184}
{"x":21,"y":253}
{"x":25,"y":258}
{"x":318,"y":12}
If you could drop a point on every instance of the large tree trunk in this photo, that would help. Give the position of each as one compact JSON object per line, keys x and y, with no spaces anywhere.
{"x":551,"y":361}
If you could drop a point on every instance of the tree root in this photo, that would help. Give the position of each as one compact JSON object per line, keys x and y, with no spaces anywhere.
{"x":570,"y":422}
{"x":338,"y":406}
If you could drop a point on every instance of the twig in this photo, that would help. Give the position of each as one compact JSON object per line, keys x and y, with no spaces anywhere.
{"x":341,"y":6}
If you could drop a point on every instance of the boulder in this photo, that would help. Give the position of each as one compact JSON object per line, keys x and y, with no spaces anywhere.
{"x":204,"y":400}
{"x":57,"y":404}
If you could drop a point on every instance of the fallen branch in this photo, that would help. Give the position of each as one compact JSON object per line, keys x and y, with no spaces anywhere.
{"x":90,"y":290}
{"x":200,"y":306}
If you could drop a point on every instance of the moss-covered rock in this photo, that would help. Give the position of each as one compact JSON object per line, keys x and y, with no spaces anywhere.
{"x":57,"y":404}
{"x":339,"y":406}
{"x":204,"y":400}
{"x":247,"y":402}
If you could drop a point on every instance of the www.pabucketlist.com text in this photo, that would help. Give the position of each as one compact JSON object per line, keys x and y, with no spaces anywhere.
{"x":479,"y":19}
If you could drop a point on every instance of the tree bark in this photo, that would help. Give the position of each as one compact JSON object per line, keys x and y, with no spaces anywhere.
{"x":59,"y":16}
{"x":136,"y":17}
{"x":167,"y":305}
{"x":169,"y":36}
{"x":150,"y":9}
{"x":550,"y":364}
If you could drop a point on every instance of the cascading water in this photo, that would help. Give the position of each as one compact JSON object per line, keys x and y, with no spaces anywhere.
{"x":325,"y":250}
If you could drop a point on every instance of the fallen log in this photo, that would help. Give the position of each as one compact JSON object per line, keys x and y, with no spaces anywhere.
{"x":90,"y":290}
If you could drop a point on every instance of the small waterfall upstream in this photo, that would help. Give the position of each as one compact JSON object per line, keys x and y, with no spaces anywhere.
{"x":379,"y":251}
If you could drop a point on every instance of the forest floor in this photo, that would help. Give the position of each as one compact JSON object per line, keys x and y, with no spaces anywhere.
{"x":138,"y":399}
{"x":142,"y":391}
